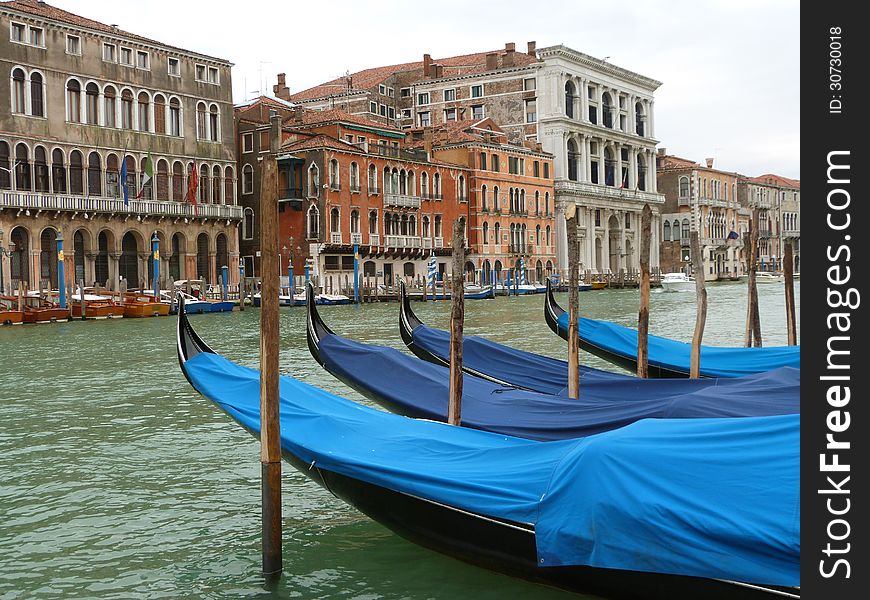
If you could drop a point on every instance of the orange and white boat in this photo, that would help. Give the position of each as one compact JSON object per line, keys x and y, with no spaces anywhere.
{"x":39,"y":310}
{"x":144,"y":305}
{"x":96,"y":307}
{"x":9,"y":313}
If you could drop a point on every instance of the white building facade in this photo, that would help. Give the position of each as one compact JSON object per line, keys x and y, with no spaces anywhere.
{"x":597,"y":120}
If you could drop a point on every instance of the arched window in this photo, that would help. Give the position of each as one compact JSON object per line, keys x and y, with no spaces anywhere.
{"x":462,"y":194}
{"x":373,"y":222}
{"x":248,"y":224}
{"x":40,"y":169}
{"x":335,"y":220}
{"x":203,"y":184}
{"x":313,"y":229}
{"x":373,"y":179}
{"x":667,"y":232}
{"x":538,"y":239}
{"x":109,"y":100}
{"x":354,"y":177}
{"x":685,"y":229}
{"x":92,"y":104}
{"x":178,"y":191}
{"x":483,"y":198}
{"x":214,"y":131}
{"x":144,"y":112}
{"x":638,"y":118}
{"x":523,"y":201}
{"x":162,"y":180}
{"x":425,"y":224}
{"x":537,"y":202}
{"x":159,"y":114}
{"x":229,"y":186}
{"x":424,"y":185}
{"x":113,"y":187}
{"x":248,"y":179}
{"x":37,"y":95}
{"x":216,"y":185}
{"x":5,"y":179}
{"x":548,"y":235}
{"x":18,"y":94}
{"x":606,"y":114}
{"x":147,"y":190}
{"x":569,"y":99}
{"x":496,"y":237}
{"x":334,"y":183}
{"x":546,"y":203}
{"x":74,"y":101}
{"x":573,"y":156}
{"x":201,"y":122}
{"x":511,"y":204}
{"x":313,"y":181}
{"x":23,"y":180}
{"x":436,"y":186}
{"x":58,"y":171}
{"x":438,"y":232}
{"x":495,"y":198}
{"x":485,"y":232}
{"x":354,"y":221}
{"x":126,"y":109}
{"x":403,"y":182}
{"x":174,"y":116}
{"x":76,"y":174}
{"x":131,"y":176}
{"x":95,"y":174}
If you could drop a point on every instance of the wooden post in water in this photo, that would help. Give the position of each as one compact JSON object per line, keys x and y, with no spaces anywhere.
{"x":753,"y":320}
{"x":270,"y":443}
{"x":701,"y":303}
{"x":788,"y":270}
{"x":82,"y":298}
{"x":457,"y":316}
{"x":643,"y":313}
{"x":573,"y":310}
{"x":21,"y":294}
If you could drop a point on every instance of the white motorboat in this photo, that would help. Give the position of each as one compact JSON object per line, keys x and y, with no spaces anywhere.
{"x":677,"y":282}
{"x":768,"y":277}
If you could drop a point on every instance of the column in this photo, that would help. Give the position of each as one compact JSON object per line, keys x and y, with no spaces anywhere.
{"x":559,"y":86}
{"x":605,"y":240}
{"x":653,"y":178}
{"x":629,"y":112}
{"x":590,"y":238}
{"x":601,"y":162}
{"x":622,"y":258}
{"x":561,"y":238}
{"x":584,"y":99}
{"x":617,"y":169}
{"x":652,"y":128}
{"x":212,"y":267}
{"x":587,"y":158}
{"x":234,"y":268}
{"x":632,"y":168}
{"x":581,"y":159}
{"x":114,"y":270}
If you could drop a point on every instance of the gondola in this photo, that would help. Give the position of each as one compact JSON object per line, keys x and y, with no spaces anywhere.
{"x":526,"y":370}
{"x":667,"y":358}
{"x":420,"y":389}
{"x":499,"y":502}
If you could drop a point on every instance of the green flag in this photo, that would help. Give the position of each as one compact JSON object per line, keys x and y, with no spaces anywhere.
{"x":147,"y":175}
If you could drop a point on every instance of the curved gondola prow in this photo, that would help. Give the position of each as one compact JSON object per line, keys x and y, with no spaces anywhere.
{"x":188,"y":343}
{"x":552,"y":312}
{"x":315,"y":328}
{"x":408,"y":321}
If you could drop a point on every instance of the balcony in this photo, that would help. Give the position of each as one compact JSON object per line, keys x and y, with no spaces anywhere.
{"x":401,"y":200}
{"x":374,"y":239}
{"x":335,"y":238}
{"x":594,"y":190}
{"x":439,"y":242}
{"x":93,"y":205}
{"x":791,"y":233}
{"x":402,"y":241}
{"x":290,"y":193}
{"x":356,"y":238}
{"x":427,"y":243}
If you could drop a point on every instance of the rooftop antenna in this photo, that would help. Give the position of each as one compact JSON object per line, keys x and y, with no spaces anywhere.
{"x":260,"y":71}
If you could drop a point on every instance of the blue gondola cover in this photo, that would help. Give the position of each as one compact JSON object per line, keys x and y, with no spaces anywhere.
{"x":702,"y":497}
{"x":676,"y":355}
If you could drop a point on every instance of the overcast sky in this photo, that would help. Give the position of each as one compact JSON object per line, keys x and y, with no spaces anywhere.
{"x":730,"y":68}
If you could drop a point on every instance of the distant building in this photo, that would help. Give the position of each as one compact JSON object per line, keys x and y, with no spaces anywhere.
{"x":86,"y":98}
{"x":778,"y":199}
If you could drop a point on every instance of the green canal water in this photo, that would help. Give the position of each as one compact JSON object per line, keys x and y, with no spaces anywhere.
{"x":117,"y":480}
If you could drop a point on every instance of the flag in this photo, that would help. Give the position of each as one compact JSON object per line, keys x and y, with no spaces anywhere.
{"x":624,"y":183}
{"x":192,"y":184}
{"x":146,"y":175}
{"x":124,"y":181}
{"x":733,"y":235}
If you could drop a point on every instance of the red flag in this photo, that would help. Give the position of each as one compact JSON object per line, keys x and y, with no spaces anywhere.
{"x":192,"y":184}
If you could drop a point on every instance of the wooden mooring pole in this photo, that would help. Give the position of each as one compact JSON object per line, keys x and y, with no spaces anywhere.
{"x":701,"y":304}
{"x":643,"y":312}
{"x":788,"y":271}
{"x":457,"y":317}
{"x":270,"y":443}
{"x":573,"y":310}
{"x":752,"y":336}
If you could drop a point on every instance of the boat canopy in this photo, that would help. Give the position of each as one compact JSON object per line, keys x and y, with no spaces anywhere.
{"x":716,"y":498}
{"x":676,"y":356}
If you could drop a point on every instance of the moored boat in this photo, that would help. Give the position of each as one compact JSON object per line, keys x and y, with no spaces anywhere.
{"x":677,"y":282}
{"x":768,"y":277}
{"x":9,"y":313}
{"x":555,"y":512}
{"x":138,"y":305}
{"x":40,"y":310}
{"x":97,"y":306}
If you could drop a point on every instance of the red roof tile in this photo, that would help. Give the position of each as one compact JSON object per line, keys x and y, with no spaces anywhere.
{"x":317,"y":142}
{"x":454,"y":66}
{"x":305,"y":117}
{"x":771,"y":179}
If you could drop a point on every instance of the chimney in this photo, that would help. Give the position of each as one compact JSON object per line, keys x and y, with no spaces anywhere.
{"x":709,"y":163}
{"x":531,"y":48}
{"x":427,"y":64}
{"x":510,"y":47}
{"x":508,"y":58}
{"x":439,"y":70}
{"x":427,"y":141}
{"x":281,"y":90}
{"x":663,"y":151}
{"x":492,"y":61}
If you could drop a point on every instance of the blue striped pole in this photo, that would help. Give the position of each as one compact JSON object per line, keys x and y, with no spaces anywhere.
{"x":225,"y":276}
{"x":291,"y":283}
{"x":61,"y":279}
{"x":155,"y":253}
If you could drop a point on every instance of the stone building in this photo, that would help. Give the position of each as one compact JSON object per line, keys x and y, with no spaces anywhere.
{"x":87,"y":99}
{"x":709,"y":197}
{"x":778,"y":199}
{"x":597,"y":120}
{"x":345,"y":180}
{"x":510,"y":195}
